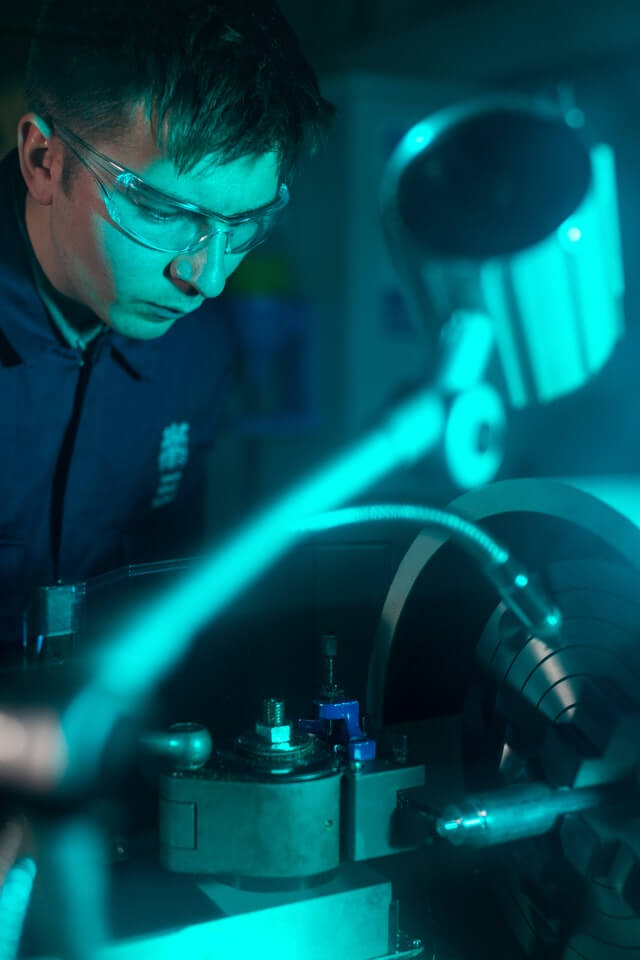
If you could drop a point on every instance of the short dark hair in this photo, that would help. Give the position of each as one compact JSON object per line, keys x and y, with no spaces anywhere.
{"x":226,"y":78}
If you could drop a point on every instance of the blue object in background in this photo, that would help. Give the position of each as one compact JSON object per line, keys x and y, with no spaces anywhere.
{"x":275,"y":337}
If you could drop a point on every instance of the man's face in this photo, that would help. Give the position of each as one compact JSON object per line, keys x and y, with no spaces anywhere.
{"x":91,"y":260}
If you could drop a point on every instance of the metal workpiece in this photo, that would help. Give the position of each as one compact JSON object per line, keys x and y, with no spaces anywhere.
{"x":370,"y":808}
{"x":520,"y":811}
{"x":184,"y":746}
{"x":247,"y":830}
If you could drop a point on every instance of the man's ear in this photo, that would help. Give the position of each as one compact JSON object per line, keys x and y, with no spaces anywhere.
{"x":38,"y":161}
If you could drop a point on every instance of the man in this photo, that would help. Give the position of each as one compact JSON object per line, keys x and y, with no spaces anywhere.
{"x":155,"y":155}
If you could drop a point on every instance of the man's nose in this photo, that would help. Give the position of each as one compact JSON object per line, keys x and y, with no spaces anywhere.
{"x":203,"y":270}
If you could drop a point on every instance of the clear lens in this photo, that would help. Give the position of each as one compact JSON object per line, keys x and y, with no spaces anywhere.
{"x":161,"y":224}
{"x":245,"y":235}
{"x":166,"y":227}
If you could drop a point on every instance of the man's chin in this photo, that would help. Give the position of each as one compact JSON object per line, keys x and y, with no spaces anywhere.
{"x":139,"y":328}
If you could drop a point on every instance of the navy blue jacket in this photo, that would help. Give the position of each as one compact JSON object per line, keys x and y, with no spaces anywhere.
{"x":102,"y":450}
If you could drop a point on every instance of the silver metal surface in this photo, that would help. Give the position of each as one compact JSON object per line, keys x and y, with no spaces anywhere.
{"x":250,"y":830}
{"x":574,"y":715}
{"x":278,"y":750}
{"x":347,"y":917}
{"x":186,"y":746}
{"x":275,"y":746}
{"x":517,"y":812}
{"x":563,"y":500}
{"x":572,"y":708}
{"x":371,"y":798}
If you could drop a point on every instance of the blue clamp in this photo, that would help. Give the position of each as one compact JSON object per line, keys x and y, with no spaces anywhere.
{"x":345,"y":715}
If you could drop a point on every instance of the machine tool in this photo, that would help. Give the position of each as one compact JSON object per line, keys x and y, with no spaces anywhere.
{"x":474,"y":781}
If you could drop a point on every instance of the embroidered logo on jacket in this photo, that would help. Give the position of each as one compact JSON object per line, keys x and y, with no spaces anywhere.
{"x":172,"y":459}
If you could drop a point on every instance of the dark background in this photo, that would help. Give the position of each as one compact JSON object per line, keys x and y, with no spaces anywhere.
{"x":587,"y":51}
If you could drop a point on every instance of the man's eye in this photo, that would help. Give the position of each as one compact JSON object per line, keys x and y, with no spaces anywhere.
{"x":158,"y":216}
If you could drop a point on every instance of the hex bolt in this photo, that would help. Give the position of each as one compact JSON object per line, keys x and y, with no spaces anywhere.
{"x":273,"y":712}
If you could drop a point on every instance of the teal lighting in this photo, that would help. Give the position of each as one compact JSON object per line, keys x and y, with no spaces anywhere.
{"x":574,"y":117}
{"x":147,"y":646}
{"x":466,"y":345}
{"x":463,"y":531}
{"x":566,"y":293}
{"x":528,"y":602}
{"x":519,"y":811}
{"x":473,"y":439}
{"x":621,"y":493}
{"x":451,"y":825}
{"x":15,"y":895}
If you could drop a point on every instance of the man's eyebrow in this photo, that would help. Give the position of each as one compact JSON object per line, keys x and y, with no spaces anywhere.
{"x":165,"y":194}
